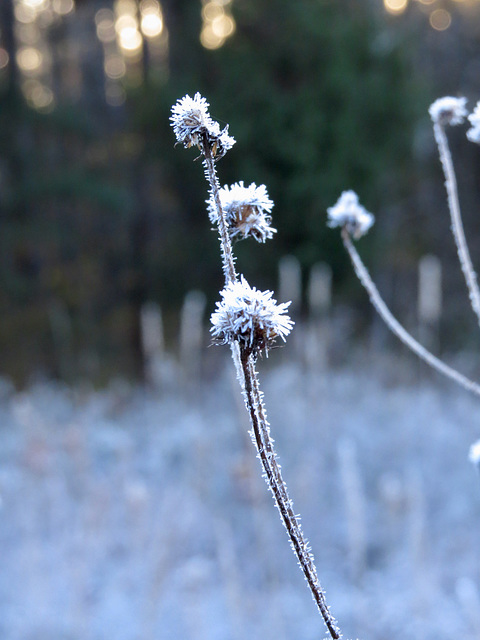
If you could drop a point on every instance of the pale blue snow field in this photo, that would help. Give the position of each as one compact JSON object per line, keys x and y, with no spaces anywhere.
{"x":133,"y":515}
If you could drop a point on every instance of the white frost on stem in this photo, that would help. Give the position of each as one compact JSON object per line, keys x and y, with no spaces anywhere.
{"x":396,"y":327}
{"x":452,"y":111}
{"x":247,"y":319}
{"x":264,"y":444}
{"x":225,"y":242}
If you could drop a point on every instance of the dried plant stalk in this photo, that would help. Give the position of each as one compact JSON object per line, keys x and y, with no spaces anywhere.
{"x":261,"y":437}
{"x":249,"y":321}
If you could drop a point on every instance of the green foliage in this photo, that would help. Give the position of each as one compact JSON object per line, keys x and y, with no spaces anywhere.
{"x":319,"y":98}
{"x":328,"y":104}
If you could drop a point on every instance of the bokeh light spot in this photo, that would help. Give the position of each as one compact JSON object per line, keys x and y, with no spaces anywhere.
{"x":223,"y":26}
{"x":29,"y":59}
{"x":35,"y":4}
{"x":212,"y":10}
{"x":440,"y":19}
{"x":25,"y":14}
{"x":130,"y":40}
{"x":105,"y":22}
{"x":125,"y":22}
{"x":115,"y":67}
{"x":152,"y":25}
{"x":126,"y":7}
{"x":63,"y":7}
{"x":209,"y":39}
{"x":395,"y":6}
{"x":114,"y":94}
{"x":38,"y":95}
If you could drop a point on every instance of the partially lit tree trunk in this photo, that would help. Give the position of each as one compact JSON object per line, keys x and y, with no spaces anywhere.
{"x":183,"y":20}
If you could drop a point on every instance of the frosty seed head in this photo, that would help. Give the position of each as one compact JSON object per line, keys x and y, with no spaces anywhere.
{"x":473,"y":134}
{"x":349,"y":213}
{"x":193,"y":126}
{"x":448,"y":110}
{"x":246,"y":211}
{"x":249,"y":316}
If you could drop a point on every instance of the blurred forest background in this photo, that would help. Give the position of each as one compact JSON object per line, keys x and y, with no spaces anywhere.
{"x":100,"y":213}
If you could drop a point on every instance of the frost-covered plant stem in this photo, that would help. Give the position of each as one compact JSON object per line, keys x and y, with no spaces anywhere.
{"x":395,"y":326}
{"x":456,"y":218}
{"x":247,"y":319}
{"x":263,"y":442}
{"x":248,"y":377}
{"x":225,"y":243}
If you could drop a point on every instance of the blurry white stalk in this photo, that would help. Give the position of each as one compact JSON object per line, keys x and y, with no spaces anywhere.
{"x":393,"y":324}
{"x":191,"y":334}
{"x":247,"y":319}
{"x":451,"y":111}
{"x":354,"y":220}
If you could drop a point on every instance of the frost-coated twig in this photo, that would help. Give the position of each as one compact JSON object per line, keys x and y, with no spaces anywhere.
{"x":250,"y":321}
{"x":261,"y":437}
{"x":396,"y":327}
{"x":456,"y":218}
{"x":225,"y":242}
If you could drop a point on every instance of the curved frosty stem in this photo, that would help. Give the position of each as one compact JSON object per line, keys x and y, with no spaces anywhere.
{"x":244,"y":360}
{"x":455,"y":214}
{"x":396,"y":327}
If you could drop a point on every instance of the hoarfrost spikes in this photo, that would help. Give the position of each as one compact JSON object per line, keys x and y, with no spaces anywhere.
{"x":250,"y":316}
{"x":193,"y":126}
{"x":246,"y":211}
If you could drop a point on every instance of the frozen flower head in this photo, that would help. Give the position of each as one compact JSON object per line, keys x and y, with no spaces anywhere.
{"x":448,"y":110}
{"x":193,"y":126}
{"x":473,"y":134}
{"x":246,"y":211}
{"x":474,"y":454}
{"x":349,"y":213}
{"x":249,"y":316}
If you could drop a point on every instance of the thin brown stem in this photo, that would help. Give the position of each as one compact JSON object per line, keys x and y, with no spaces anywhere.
{"x":264,"y":444}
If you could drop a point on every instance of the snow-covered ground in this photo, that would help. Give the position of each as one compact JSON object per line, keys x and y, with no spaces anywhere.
{"x":128,"y":514}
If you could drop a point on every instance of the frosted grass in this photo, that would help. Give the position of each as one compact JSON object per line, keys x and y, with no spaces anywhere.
{"x":120,"y":518}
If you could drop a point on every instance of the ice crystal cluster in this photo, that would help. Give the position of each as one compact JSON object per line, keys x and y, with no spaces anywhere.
{"x":246,"y":211}
{"x":193,"y":126}
{"x":349,"y":213}
{"x":448,"y":110}
{"x":250,"y":316}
